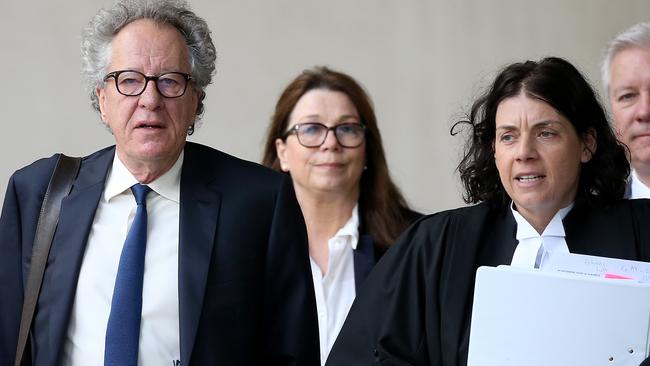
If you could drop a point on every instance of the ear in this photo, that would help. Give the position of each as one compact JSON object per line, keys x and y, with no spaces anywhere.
{"x":101,"y":96}
{"x":281,"y":151}
{"x":589,"y":145}
{"x":199,"y":102}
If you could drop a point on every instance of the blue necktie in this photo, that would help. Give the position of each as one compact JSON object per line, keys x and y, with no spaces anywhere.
{"x":123,"y":329}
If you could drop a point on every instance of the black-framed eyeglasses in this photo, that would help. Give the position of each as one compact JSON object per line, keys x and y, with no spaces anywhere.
{"x":133,"y":83}
{"x":313,"y":134}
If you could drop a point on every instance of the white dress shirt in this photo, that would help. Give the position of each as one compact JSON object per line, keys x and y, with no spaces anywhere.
{"x":159,"y":328}
{"x":637,"y":188}
{"x":534,"y":250}
{"x":336,"y":290}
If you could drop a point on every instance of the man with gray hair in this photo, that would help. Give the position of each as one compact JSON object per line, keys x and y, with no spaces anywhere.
{"x":166,"y":252}
{"x":626,"y":78}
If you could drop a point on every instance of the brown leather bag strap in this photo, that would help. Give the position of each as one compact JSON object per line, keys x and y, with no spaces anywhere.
{"x":59,"y":186}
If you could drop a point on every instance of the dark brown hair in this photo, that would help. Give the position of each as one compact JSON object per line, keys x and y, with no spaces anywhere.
{"x":383,"y":212}
{"x":558,"y":83}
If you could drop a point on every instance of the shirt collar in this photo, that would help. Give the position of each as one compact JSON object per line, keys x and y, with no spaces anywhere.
{"x":350,"y":229}
{"x":638,"y":189}
{"x":554,"y":228}
{"x":167,"y":185}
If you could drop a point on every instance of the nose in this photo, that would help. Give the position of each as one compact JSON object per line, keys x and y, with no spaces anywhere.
{"x":643,"y":108}
{"x":150,"y":97}
{"x":330,"y":143}
{"x":526,"y":148}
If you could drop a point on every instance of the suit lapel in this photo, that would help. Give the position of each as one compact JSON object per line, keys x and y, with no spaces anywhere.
{"x":199,"y":212}
{"x":69,"y":243}
{"x":364,"y":260}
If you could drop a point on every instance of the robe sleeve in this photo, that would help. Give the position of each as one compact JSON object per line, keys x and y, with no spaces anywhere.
{"x":641,"y":215}
{"x":395,"y":319}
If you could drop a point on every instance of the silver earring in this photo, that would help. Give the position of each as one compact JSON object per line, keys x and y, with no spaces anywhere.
{"x":190,"y":130}
{"x":365,"y":167}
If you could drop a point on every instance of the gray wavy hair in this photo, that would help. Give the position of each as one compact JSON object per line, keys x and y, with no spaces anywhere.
{"x":637,"y":35}
{"x":97,"y":37}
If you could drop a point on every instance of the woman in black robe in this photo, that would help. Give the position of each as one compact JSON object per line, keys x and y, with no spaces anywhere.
{"x":540,"y":144}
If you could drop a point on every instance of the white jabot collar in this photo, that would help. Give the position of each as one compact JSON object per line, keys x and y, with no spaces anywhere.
{"x":554,"y":228}
{"x":533,"y":250}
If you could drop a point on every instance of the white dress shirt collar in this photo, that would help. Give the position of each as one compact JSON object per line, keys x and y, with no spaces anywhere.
{"x":167,"y":185}
{"x":350,"y":231}
{"x":638,"y":188}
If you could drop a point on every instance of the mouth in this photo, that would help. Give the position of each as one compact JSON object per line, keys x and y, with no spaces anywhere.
{"x":642,"y":135}
{"x":529,"y":178}
{"x":148,"y":125}
{"x":330,"y":165}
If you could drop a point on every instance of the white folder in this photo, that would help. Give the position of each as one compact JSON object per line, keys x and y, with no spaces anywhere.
{"x":533,"y":318}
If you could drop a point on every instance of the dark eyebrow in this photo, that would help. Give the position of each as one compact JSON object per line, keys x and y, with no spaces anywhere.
{"x":507,"y":128}
{"x":310,"y":116}
{"x":547,"y":123}
{"x":344,"y":117}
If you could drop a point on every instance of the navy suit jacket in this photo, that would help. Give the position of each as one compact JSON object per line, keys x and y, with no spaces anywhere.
{"x":245,"y":289}
{"x":364,"y":259}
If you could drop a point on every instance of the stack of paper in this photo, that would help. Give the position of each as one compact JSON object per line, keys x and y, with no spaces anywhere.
{"x":570,"y":314}
{"x":588,"y":265}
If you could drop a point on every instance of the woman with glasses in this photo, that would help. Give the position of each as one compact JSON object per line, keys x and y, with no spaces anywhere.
{"x":324,"y":135}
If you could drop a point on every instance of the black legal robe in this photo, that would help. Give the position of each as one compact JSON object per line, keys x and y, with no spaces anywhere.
{"x":416,"y":305}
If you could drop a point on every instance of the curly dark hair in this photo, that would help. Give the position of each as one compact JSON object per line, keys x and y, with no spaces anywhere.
{"x":383,"y":211}
{"x":558,"y":83}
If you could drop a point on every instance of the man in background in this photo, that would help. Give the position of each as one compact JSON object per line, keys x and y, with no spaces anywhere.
{"x":626,"y":78}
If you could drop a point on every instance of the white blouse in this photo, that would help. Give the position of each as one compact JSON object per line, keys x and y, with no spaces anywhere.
{"x":335,"y":290}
